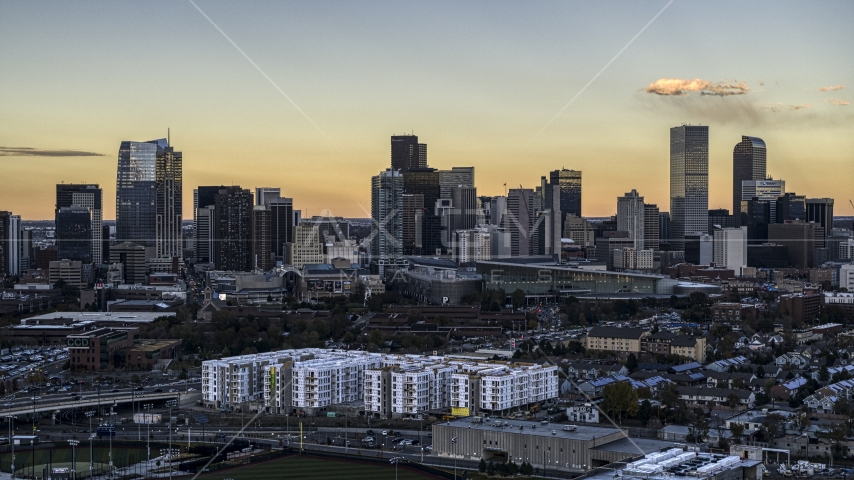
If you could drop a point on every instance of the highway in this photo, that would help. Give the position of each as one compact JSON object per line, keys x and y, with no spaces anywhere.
{"x":27,"y":403}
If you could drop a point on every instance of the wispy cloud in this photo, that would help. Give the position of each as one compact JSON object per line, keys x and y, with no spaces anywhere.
{"x":779,"y":107}
{"x":838,"y":101}
{"x":36,"y":152}
{"x":831,"y":89}
{"x":681,"y":87}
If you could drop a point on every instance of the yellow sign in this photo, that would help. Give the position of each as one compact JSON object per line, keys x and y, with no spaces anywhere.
{"x":460,"y":411}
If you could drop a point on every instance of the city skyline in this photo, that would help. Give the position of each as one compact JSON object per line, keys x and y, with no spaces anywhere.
{"x":476,"y":103}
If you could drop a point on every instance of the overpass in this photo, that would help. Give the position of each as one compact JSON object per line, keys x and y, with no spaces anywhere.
{"x":49,"y":406}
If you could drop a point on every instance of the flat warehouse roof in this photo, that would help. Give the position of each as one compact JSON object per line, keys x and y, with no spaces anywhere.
{"x":582,"y":432}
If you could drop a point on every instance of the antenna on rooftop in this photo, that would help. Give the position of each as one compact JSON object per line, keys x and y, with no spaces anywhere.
{"x":167,"y":136}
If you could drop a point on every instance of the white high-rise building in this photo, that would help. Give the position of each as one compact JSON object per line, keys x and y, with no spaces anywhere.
{"x":730,"y":248}
{"x":630,"y":217}
{"x":306,"y":248}
{"x":472,"y":245}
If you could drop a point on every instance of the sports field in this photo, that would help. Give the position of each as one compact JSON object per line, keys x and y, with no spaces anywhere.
{"x":122,"y":456}
{"x":311,"y":468}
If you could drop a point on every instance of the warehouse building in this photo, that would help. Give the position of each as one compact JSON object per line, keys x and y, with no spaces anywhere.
{"x":545,"y":446}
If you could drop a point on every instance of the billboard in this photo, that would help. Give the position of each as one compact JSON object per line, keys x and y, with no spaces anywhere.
{"x":460,"y":411}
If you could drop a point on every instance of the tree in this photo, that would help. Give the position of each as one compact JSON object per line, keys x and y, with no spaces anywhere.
{"x":823,"y":374}
{"x":801,"y":421}
{"x":490,"y":469}
{"x":481,"y":467}
{"x":631,"y":363}
{"x":737,"y":431}
{"x":518,"y":298}
{"x":732,"y":400}
{"x":526,"y":469}
{"x":620,"y":398}
{"x":644,"y":412}
{"x":842,"y":407}
{"x":773,"y":424}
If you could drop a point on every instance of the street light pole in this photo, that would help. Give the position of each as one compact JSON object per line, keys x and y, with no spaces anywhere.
{"x":147,"y":408}
{"x":170,"y":403}
{"x":73,"y":444}
{"x":454,"y":446}
{"x":89,"y":414}
{"x":91,"y":436}
{"x":112,"y":432}
{"x":11,"y":421}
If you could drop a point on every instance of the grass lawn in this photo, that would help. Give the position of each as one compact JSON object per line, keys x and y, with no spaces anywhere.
{"x":312,"y":468}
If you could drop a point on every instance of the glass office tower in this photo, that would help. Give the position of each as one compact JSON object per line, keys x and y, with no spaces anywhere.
{"x":689,"y":183}
{"x":169,"y":202}
{"x":136,"y":193}
{"x":74,"y":234}
{"x":149,"y":196}
{"x":748,"y":163}
{"x":569,"y":182}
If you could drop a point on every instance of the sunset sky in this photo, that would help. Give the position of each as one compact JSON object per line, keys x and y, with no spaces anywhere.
{"x":479,"y":82}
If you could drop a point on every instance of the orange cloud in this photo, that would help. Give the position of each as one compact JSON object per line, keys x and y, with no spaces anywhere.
{"x":838,"y":101}
{"x":679,"y":87}
{"x":831,"y":89}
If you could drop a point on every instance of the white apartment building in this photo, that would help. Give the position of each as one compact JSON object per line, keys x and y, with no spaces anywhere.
{"x":311,"y":380}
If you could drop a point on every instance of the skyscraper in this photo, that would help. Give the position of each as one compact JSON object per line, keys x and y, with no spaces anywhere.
{"x":651,"y":227}
{"x":569,"y":182}
{"x":820,"y":211}
{"x":455,"y":177}
{"x":748,"y":163}
{"x":689,"y":183}
{"x":136,"y":193}
{"x":464,"y":200}
{"x":74,"y":234}
{"x":149,"y":183}
{"x":283,"y":220}
{"x":791,"y":206}
{"x":412,"y":218}
{"x":407,"y":153}
{"x":88,"y":196}
{"x":425,"y":181}
{"x":387,"y":221}
{"x":549,"y":219}
{"x":263,"y":195}
{"x":169,"y":202}
{"x":261,"y":242}
{"x":204,"y":234}
{"x":765,"y":190}
{"x":10,"y":243}
{"x":518,"y":220}
{"x":232,"y":227}
{"x":631,"y":216}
